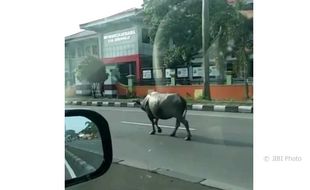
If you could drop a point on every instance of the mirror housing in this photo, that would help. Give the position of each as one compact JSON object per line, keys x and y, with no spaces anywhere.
{"x":105,"y":138}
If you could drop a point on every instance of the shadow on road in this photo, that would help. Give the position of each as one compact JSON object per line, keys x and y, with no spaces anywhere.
{"x":202,"y":139}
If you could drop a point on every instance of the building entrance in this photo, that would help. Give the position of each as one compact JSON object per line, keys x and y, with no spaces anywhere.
{"x":126,"y":69}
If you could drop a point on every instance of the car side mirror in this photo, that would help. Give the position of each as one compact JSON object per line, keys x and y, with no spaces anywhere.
{"x":88,"y":147}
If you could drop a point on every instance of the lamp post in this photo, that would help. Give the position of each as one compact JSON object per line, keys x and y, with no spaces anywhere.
{"x":205,"y":43}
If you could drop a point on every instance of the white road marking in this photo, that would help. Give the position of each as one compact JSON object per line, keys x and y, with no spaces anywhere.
{"x":70,"y":170}
{"x":163,"y":126}
{"x":190,"y":112}
{"x":117,"y":109}
{"x":222,"y":116}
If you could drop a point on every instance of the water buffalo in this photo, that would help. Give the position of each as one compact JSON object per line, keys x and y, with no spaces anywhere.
{"x":165,"y":106}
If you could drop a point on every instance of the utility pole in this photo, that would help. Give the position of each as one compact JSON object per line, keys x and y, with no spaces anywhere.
{"x":205,"y":44}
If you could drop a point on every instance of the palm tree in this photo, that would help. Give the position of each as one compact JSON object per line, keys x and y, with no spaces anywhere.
{"x":90,"y":128}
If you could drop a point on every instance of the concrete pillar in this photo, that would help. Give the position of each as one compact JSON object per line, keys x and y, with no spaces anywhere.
{"x":190,"y":73}
{"x":172,"y":79}
{"x":110,"y":82}
{"x":138,"y":67}
{"x":131,"y":85}
{"x":100,"y":43}
{"x":228,"y":78}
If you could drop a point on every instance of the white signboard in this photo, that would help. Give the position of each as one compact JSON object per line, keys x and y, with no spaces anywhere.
{"x":213,"y":71}
{"x":198,"y":72}
{"x":169,"y":72}
{"x":182,"y":72}
{"x":147,"y":74}
{"x":121,"y":36}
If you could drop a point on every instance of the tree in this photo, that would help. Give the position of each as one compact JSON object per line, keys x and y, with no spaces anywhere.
{"x":173,"y":30}
{"x":92,"y":70}
{"x":90,"y":128}
{"x":236,"y":37}
{"x":176,"y":31}
{"x":70,"y":132}
{"x":70,"y":135}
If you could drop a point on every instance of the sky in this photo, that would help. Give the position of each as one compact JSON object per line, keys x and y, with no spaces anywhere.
{"x":76,"y":123}
{"x":79,"y":12}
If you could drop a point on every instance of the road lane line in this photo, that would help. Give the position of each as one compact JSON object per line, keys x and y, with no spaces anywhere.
{"x":225,"y":116}
{"x":163,"y":126}
{"x":192,"y":113}
{"x":70,"y":170}
{"x":189,"y":112}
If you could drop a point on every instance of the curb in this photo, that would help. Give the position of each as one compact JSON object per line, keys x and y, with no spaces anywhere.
{"x":174,"y":174}
{"x":79,"y":163}
{"x":198,"y":107}
{"x":219,"y":185}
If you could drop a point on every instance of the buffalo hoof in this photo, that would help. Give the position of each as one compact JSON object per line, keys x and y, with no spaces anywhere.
{"x":159,"y":130}
{"x":187,"y":138}
{"x":172,"y":135}
{"x":152,"y":133}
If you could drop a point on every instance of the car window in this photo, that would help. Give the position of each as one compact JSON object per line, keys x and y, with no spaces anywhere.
{"x":174,"y":79}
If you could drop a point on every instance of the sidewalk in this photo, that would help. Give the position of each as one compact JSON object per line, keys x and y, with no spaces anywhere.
{"x":200,"y":105}
{"x":125,"y":177}
{"x":128,"y":175}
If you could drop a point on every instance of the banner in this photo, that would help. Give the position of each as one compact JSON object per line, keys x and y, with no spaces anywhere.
{"x":147,"y":74}
{"x":198,"y":72}
{"x":182,"y":72}
{"x":169,"y":72}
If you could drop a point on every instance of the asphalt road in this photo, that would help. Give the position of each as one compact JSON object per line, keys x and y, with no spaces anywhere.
{"x":221,"y":149}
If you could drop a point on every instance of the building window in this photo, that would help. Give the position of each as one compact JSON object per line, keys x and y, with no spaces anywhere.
{"x":127,"y":48}
{"x":67,"y":52}
{"x":72,"y":52}
{"x":117,"y":51}
{"x":145,"y":36}
{"x":80,"y":52}
{"x":229,"y":66}
{"x":87,"y":50}
{"x":121,"y":49}
{"x":113,"y":51}
{"x":95,"y":50}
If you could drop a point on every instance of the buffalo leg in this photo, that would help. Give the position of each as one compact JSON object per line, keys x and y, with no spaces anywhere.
{"x":153,"y":131}
{"x":185,"y":123}
{"x":177,"y":124}
{"x":158,"y":128}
